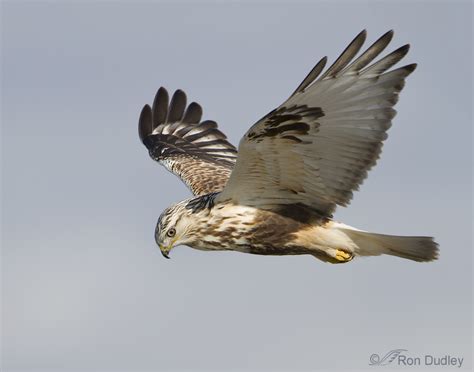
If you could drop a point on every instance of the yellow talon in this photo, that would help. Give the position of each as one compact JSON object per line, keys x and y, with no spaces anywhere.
{"x":343,"y":256}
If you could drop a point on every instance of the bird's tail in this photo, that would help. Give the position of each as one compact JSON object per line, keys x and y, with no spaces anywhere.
{"x":415,"y":248}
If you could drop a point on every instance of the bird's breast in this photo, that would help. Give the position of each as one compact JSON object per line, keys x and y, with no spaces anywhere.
{"x":247,"y":229}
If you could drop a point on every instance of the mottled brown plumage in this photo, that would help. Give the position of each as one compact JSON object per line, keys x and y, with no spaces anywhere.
{"x":201,"y":177}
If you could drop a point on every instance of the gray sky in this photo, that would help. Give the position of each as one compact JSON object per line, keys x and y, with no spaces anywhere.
{"x":85,"y":287}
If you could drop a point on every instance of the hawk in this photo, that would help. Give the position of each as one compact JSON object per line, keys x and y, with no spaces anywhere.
{"x":277,"y":193}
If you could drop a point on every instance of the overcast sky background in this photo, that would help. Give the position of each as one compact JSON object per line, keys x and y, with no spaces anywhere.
{"x":85,"y":287}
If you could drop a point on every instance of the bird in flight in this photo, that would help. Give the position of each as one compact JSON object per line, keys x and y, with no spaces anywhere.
{"x":277,"y":193}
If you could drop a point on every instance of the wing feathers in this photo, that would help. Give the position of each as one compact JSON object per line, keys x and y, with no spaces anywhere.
{"x":346,"y":56}
{"x":160,"y":107}
{"x":388,"y":61}
{"x":371,"y":53}
{"x":177,"y":106}
{"x":193,"y":114}
{"x":145,"y":123}
{"x":313,"y":74}
{"x":198,"y":152}
{"x":319,"y":159}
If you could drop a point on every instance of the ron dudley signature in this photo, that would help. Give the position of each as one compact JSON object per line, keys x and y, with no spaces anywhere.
{"x":401,"y":357}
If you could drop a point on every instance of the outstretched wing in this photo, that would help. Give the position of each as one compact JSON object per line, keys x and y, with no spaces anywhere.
{"x":194,"y":150}
{"x":317,"y":147}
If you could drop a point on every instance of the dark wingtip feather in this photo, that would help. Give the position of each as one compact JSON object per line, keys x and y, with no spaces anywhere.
{"x":388,"y":61}
{"x":411,"y":67}
{"x":313,"y":74}
{"x":400,"y":52}
{"x":145,"y":126}
{"x":160,"y":107}
{"x":193,"y":113}
{"x":371,"y":52}
{"x":177,"y":106}
{"x":346,"y":56}
{"x":405,"y":48}
{"x":388,"y":34}
{"x":361,"y":34}
{"x":385,"y":39}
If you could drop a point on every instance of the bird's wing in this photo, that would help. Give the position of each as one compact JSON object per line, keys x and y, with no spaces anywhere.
{"x":317,"y":147}
{"x":194,"y":150}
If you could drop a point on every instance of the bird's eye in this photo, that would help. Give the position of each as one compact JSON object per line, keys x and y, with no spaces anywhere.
{"x":171,"y":232}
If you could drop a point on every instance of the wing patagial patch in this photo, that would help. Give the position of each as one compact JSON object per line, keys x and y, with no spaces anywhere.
{"x":288,"y":123}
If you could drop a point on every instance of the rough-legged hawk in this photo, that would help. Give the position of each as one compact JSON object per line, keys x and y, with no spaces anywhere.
{"x":276,"y":195}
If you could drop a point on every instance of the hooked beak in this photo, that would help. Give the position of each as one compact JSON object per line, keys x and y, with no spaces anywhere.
{"x":164,"y":252}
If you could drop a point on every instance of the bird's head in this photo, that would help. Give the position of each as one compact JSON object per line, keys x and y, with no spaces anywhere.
{"x":174,"y":227}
